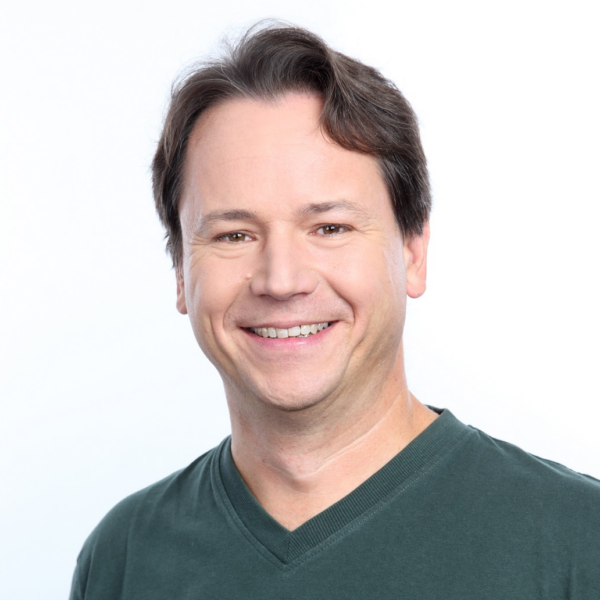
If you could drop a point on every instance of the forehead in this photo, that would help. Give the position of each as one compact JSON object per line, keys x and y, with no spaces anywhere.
{"x":274,"y":155}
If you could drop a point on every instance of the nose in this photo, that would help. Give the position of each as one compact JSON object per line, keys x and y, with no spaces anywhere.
{"x":283,"y":269}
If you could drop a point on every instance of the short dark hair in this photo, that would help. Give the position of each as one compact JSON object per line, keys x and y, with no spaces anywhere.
{"x":362,"y":111}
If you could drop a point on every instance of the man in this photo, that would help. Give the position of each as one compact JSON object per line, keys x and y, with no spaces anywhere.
{"x":294,"y":191}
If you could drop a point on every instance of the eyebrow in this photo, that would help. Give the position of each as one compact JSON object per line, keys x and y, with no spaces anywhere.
{"x":247,"y":215}
{"x":225,"y":215}
{"x":323,"y":207}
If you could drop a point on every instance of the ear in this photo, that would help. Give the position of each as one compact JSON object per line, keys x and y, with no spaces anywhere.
{"x":415,"y":261}
{"x":180,"y":303}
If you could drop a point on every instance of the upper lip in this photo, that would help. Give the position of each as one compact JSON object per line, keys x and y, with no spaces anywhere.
{"x":286,"y":324}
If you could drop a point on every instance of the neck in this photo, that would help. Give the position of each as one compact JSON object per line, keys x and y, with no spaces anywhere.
{"x":299,"y":463}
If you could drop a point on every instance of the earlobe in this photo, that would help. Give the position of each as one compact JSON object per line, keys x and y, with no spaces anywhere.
{"x":415,"y":260}
{"x":180,"y":303}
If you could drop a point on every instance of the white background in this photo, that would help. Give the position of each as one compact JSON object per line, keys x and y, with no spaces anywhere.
{"x":103,"y":389}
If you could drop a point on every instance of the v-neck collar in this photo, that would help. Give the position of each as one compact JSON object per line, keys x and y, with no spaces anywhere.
{"x":287,"y":546}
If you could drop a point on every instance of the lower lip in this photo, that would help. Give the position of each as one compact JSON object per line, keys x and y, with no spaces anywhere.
{"x":291,"y":343}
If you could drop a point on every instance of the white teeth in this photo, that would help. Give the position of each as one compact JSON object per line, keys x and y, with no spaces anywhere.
{"x":296,"y":331}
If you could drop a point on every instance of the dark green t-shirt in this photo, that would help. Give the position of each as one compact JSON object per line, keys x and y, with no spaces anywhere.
{"x":456,"y":515}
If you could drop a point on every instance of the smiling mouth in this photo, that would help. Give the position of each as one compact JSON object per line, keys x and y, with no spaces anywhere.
{"x":297,"y":331}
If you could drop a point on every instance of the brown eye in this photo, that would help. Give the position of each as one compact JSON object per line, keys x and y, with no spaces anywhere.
{"x":235,"y":237}
{"x":330,"y":230}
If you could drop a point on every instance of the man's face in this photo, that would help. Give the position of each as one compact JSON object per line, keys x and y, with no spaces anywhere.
{"x":284,"y":230}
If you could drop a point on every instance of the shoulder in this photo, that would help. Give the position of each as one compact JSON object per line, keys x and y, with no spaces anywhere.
{"x":506,"y":461}
{"x":546,"y":492}
{"x":105,"y":551}
{"x":533,"y":516}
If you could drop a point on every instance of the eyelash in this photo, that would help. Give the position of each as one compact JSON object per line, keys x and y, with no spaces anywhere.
{"x":223,"y":237}
{"x":344,"y":227}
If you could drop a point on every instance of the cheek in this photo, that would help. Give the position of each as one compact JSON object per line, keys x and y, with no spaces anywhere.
{"x":211,"y":287}
{"x":396,"y":272}
{"x":372,"y":281}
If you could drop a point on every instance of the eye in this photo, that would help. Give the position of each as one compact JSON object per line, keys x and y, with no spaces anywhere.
{"x":332,"y":229}
{"x":235,"y":237}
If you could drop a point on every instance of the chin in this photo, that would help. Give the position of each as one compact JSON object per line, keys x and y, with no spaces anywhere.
{"x":291,"y":404}
{"x":293,"y":398}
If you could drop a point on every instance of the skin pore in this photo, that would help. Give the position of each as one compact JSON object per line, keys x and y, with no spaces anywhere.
{"x":282,"y":228}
